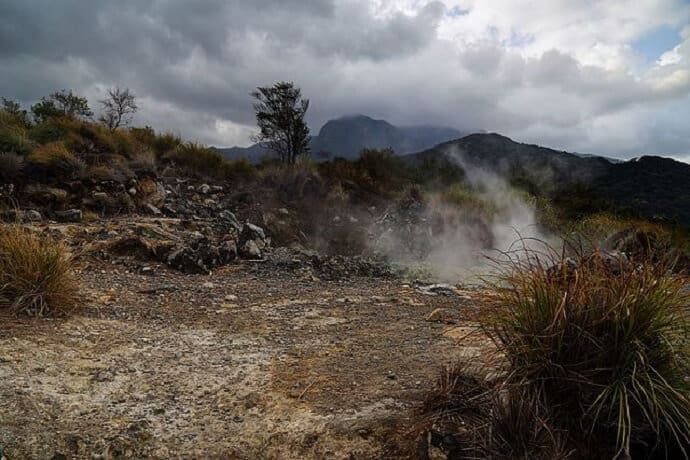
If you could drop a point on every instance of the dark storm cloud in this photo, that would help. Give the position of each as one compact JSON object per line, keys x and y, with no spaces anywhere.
{"x":193,"y":65}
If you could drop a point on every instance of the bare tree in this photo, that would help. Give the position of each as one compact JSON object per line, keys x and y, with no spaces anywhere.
{"x":118,"y":108}
{"x":280,"y":112}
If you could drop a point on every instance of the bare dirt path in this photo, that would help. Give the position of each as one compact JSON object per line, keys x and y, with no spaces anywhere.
{"x":248,"y":362}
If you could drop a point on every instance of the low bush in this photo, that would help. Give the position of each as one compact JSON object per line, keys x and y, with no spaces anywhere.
{"x":237,"y":169}
{"x":13,"y":139}
{"x":54,"y":161}
{"x":35,"y":273}
{"x":603,"y":344}
{"x":198,"y":160}
{"x":384,"y":167}
{"x":47,"y":131}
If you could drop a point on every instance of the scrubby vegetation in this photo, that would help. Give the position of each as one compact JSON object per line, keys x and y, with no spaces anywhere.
{"x":62,"y":143}
{"x":602,"y":343}
{"x":35,"y":273}
{"x":595,"y":359}
{"x":195,"y":159}
{"x":592,"y":342}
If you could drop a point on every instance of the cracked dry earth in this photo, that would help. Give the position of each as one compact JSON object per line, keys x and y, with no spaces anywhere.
{"x":249,"y":362}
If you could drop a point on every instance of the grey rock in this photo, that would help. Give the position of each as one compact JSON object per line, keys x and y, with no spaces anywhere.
{"x":151,"y":209}
{"x":252,"y":232}
{"x":204,"y":189}
{"x":231,"y":219}
{"x":71,"y":215}
{"x":250,"y":250}
{"x":436,"y":289}
{"x":186,"y":260}
{"x":32,"y":216}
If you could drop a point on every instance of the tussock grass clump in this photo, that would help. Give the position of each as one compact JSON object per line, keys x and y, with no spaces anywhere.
{"x":53,"y":160}
{"x":14,"y":141}
{"x":35,"y":273}
{"x":603,"y":344}
{"x":469,"y":417}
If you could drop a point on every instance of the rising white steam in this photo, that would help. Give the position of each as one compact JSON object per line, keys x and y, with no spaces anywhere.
{"x":457,"y":243}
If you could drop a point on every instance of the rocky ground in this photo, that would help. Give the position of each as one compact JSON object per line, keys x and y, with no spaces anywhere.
{"x":291,"y":355}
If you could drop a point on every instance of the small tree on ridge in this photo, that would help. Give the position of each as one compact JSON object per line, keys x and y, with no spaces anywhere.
{"x":61,"y":103}
{"x":280,"y":112}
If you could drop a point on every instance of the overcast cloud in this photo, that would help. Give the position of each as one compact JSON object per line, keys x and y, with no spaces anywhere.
{"x":575,"y":75}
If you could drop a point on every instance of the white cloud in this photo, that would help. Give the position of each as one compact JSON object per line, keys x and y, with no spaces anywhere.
{"x":559,"y":72}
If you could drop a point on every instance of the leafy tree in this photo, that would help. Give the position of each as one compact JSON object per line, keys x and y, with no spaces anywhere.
{"x":61,"y":103}
{"x":14,"y":109}
{"x":118,"y":108}
{"x":280,"y":112}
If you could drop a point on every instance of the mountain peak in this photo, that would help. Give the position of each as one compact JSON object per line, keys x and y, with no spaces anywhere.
{"x":347,"y":135}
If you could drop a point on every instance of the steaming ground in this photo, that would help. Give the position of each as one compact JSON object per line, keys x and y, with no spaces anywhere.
{"x":466,"y":245}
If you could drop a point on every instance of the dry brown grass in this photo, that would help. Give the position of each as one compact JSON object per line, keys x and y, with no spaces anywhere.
{"x":35,"y":273}
{"x":54,"y":160}
{"x":602,"y":343}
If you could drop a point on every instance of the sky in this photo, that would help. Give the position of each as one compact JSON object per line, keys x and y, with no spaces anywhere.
{"x":609,"y":77}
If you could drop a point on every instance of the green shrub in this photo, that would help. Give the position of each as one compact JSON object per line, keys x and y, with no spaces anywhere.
{"x":437,"y":170}
{"x":54,"y":161}
{"x":46,"y":132}
{"x":602,"y":343}
{"x":13,"y":138}
{"x":384,"y":167}
{"x":237,"y":169}
{"x":376,"y":171}
{"x":35,"y":273}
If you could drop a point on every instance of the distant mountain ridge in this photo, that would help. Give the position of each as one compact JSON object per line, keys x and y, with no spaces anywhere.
{"x":346,"y":137}
{"x":651,"y":186}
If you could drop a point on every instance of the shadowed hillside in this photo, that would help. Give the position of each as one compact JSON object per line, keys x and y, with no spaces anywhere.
{"x":650,"y":187}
